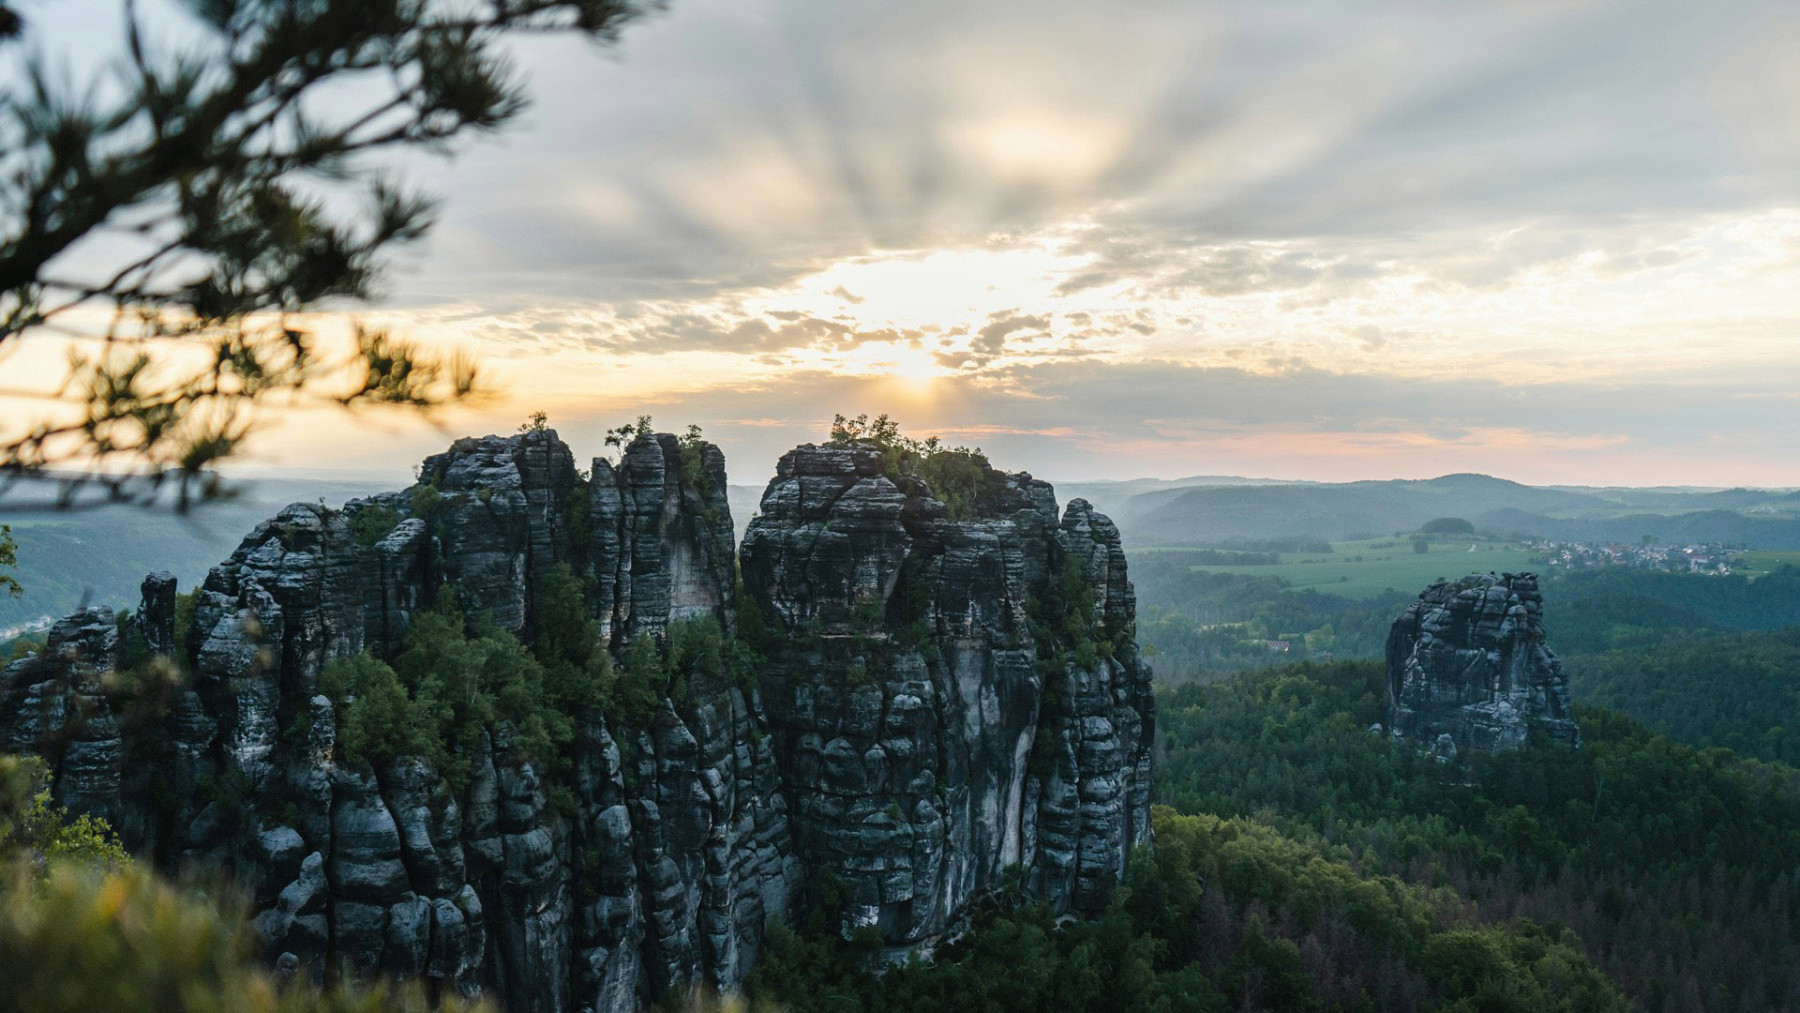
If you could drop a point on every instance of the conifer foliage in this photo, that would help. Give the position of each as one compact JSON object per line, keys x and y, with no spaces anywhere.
{"x":216,"y":194}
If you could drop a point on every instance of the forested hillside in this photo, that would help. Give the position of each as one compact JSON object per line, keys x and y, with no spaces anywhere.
{"x":1740,"y":690}
{"x":1304,"y":861}
{"x":1213,"y":514}
{"x":1707,"y":660}
{"x":1594,"y":609}
{"x":1672,"y":864}
{"x":1340,"y":510}
{"x":1224,"y":914}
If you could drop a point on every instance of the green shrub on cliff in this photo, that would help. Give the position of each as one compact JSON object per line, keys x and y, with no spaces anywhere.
{"x":377,"y":719}
{"x":578,"y":671}
{"x":35,"y":831}
{"x":696,"y":646}
{"x":446,"y":685}
{"x":692,"y":448}
{"x":691,"y":648}
{"x":443,"y":688}
{"x":373,"y":523}
{"x":642,"y":681}
{"x":955,"y":475}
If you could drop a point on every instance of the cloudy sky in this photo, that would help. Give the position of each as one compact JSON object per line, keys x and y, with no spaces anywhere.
{"x":1552,"y":241}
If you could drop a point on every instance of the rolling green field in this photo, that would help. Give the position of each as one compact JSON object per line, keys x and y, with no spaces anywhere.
{"x":1366,"y":569}
{"x":1760,"y":561}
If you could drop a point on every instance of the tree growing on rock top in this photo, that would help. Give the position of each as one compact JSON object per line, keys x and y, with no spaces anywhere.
{"x":955,"y":475}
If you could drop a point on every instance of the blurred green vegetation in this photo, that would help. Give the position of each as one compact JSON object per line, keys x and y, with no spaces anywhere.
{"x":83,"y":929}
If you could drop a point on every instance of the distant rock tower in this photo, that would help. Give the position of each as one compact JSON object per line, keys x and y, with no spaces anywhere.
{"x":1468,"y":661}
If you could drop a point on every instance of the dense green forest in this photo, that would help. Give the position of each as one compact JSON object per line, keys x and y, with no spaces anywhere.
{"x":1197,"y":625}
{"x":1740,"y":690}
{"x":1616,"y":602}
{"x":1223,"y":914}
{"x":1672,"y":864}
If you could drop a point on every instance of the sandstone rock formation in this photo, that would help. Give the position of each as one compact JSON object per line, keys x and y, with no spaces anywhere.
{"x":1468,"y":661}
{"x":944,"y":709}
{"x":941,"y":700}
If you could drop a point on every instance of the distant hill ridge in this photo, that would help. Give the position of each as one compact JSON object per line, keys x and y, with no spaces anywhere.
{"x":1213,"y":514}
{"x":100,"y":555}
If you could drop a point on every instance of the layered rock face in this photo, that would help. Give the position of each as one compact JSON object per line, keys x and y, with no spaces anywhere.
{"x":952,"y":698}
{"x":1467,"y":663}
{"x":941,"y":700}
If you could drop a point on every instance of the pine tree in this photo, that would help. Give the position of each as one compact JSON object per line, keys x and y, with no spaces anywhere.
{"x":225,"y":168}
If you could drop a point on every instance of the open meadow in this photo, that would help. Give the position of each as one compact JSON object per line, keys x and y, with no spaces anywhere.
{"x":1372,"y":567}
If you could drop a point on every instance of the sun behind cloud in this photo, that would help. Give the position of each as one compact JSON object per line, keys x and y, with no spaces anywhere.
{"x":937,"y":287}
{"x":911,"y":365}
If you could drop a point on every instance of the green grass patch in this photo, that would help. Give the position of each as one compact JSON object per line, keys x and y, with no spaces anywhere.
{"x":1758,"y":562}
{"x":1366,"y":569}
